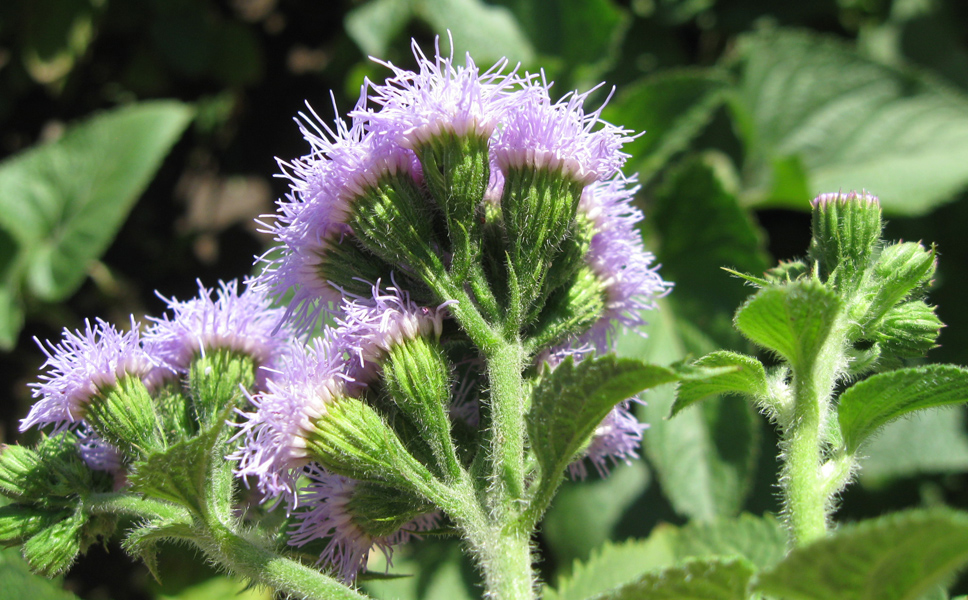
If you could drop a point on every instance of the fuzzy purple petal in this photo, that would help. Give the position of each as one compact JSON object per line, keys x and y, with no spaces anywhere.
{"x":242,"y":322}
{"x":274,"y":448}
{"x":326,"y":515}
{"x":80,"y":367}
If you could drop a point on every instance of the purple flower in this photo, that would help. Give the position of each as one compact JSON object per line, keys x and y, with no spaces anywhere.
{"x":80,"y":368}
{"x":369,"y":327}
{"x":327,"y":514}
{"x":537,"y":133}
{"x":314,"y":217}
{"x":617,"y":438}
{"x":618,"y":257}
{"x":274,"y":449}
{"x":243,"y":323}
{"x":440,"y":97}
{"x":98,"y":454}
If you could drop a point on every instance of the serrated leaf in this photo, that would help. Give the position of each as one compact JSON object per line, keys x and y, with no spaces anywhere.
{"x":869,"y":405}
{"x":760,"y":540}
{"x":695,"y":580}
{"x":142,"y":540}
{"x":182,"y":472}
{"x":671,"y":108}
{"x":852,"y":122}
{"x":65,"y":201}
{"x":747,"y":378}
{"x":568,"y":404}
{"x":793,"y":320}
{"x":898,"y":557}
{"x":612,"y":565}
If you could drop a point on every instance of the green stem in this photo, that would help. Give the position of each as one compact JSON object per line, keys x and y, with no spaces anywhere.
{"x":249,"y":559}
{"x":506,"y":556}
{"x":120,"y":503}
{"x":807,"y":497}
{"x":507,"y":417}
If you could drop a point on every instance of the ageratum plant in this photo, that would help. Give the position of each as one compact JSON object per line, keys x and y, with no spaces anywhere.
{"x":427,"y":351}
{"x":453,"y":263}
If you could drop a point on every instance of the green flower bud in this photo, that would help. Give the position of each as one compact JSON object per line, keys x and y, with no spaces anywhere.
{"x":216,"y":380}
{"x":19,"y":522}
{"x":54,"y":549}
{"x":903,"y":270}
{"x":124,"y":415}
{"x":909,"y":330}
{"x":846,"y":230}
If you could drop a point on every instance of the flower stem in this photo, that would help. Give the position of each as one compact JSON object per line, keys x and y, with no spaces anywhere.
{"x":507,"y":416}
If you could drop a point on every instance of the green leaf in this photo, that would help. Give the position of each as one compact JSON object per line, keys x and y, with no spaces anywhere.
{"x":853,"y":123}
{"x":585,"y":513}
{"x":19,"y":582}
{"x":704,"y":458}
{"x":898,"y":557}
{"x":793,"y":320}
{"x":65,"y":201}
{"x":612,"y":565}
{"x":932,"y":441}
{"x":760,"y":540}
{"x":374,"y":24}
{"x":867,"y":406}
{"x":703,"y":228}
{"x":712,"y":579}
{"x":488,"y":32}
{"x":182,"y":472}
{"x":432,"y":570}
{"x":748,"y":378}
{"x":671,"y":108}
{"x":568,"y":404}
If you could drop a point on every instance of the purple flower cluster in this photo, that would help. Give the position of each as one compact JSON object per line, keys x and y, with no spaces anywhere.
{"x":514,"y":112}
{"x":311,"y":379}
{"x":87,"y":363}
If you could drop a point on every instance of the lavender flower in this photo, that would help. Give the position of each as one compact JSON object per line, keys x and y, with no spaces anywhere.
{"x":314,"y":217}
{"x":80,"y":368}
{"x":371,"y":326}
{"x":328,"y":515}
{"x":439,"y":98}
{"x":537,"y":133}
{"x":96,"y":453}
{"x":618,"y":258}
{"x":308,"y":380}
{"x":617,"y":438}
{"x":243,"y":323}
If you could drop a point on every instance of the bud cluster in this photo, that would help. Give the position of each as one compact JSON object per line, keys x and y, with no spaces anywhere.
{"x":458,"y":219}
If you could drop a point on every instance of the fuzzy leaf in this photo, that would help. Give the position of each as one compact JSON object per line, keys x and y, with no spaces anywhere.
{"x":65,"y":201}
{"x":748,"y":378}
{"x":793,"y":320}
{"x":898,"y":557}
{"x":853,"y":123}
{"x":882,"y":398}
{"x":711,"y":579}
{"x":568,"y":404}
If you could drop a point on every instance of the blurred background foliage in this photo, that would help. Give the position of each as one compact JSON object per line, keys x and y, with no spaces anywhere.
{"x":137,"y":144}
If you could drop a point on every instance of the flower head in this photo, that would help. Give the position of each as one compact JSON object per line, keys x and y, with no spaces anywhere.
{"x":80,"y":368}
{"x":328,"y":515}
{"x":617,"y":438}
{"x":371,"y":326}
{"x":314,"y":217}
{"x":307,"y":382}
{"x":618,"y":258}
{"x":559,"y":136}
{"x":241,"y":322}
{"x":440,"y":97}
